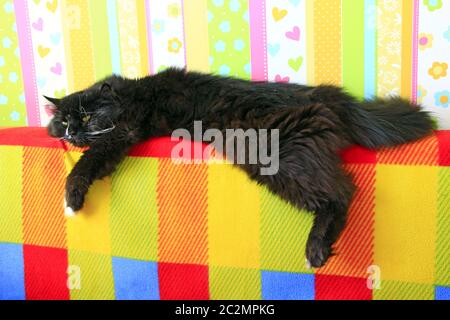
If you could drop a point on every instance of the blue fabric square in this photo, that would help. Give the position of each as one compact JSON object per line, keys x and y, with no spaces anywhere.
{"x":442,"y":293}
{"x":135,"y":279}
{"x":287,"y":286}
{"x":12,"y":284}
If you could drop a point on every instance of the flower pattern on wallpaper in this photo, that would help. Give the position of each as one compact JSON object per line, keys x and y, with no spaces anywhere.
{"x":129,"y":38}
{"x":12,"y":98}
{"x":229,"y":36}
{"x":434,"y":60}
{"x":433,"y":5}
{"x":425,"y":41}
{"x":442,"y":98}
{"x":286,"y":41}
{"x":167,"y":33}
{"x":438,"y":70}
{"x":389,"y":24}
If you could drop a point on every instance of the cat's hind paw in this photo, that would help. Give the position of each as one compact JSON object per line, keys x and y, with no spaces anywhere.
{"x":317,"y":252}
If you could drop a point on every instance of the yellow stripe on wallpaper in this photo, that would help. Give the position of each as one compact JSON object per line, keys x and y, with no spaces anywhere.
{"x":76,"y":22}
{"x":310,"y":41}
{"x":196,"y":35}
{"x":407,"y":48}
{"x":327,"y":42}
{"x":389,"y":54}
{"x":143,"y":45}
{"x":129,"y":38}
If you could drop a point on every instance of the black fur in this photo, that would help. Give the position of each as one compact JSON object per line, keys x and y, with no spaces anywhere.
{"x":314,"y":123}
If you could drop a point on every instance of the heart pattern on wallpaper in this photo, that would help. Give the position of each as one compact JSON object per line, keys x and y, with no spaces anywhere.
{"x":41,"y":82}
{"x":273,"y":49}
{"x":43,"y":51}
{"x":55,"y":38}
{"x":294,"y":34}
{"x":59,"y":93}
{"x":57,"y":69}
{"x":38,"y":24}
{"x":278,"y":14}
{"x":281,"y":79}
{"x":52,"y":6}
{"x":295,"y":63}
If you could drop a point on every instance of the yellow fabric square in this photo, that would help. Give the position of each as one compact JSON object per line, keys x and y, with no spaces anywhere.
{"x":233,"y":218}
{"x":90,"y":276}
{"x":11,"y":194}
{"x":227,"y":283}
{"x":89,"y":229}
{"x":405,"y":222}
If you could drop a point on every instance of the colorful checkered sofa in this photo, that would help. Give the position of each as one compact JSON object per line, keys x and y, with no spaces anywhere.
{"x":160,"y":230}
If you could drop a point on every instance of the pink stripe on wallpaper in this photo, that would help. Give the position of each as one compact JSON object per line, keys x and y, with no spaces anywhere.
{"x":26,"y":56}
{"x":149,"y":37}
{"x":415,"y":57}
{"x":257,"y":12}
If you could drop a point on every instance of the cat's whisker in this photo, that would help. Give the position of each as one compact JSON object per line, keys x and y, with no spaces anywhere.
{"x":96,"y":133}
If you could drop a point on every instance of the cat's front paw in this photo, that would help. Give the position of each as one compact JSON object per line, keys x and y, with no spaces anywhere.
{"x":74,"y":197}
{"x":317,"y":252}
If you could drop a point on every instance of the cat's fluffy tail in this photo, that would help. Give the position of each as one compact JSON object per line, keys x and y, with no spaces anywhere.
{"x":387,"y":122}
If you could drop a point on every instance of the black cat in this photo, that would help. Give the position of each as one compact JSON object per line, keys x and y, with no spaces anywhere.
{"x":314,"y":124}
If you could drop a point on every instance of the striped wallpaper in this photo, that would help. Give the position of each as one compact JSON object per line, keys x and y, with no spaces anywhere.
{"x":371,"y":47}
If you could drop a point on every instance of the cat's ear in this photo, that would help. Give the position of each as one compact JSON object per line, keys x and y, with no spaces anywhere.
{"x":54,"y":101}
{"x":106,"y":89}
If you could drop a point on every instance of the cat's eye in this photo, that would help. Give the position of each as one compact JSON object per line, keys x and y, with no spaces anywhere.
{"x":64,"y":123}
{"x":86,"y":118}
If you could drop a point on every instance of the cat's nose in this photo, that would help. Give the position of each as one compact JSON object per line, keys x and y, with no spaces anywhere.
{"x":72,"y":132}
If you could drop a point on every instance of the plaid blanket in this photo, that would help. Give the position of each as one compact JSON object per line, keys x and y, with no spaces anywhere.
{"x":159,"y":230}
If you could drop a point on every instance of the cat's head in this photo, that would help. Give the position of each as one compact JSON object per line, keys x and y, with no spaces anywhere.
{"x":82,"y":117}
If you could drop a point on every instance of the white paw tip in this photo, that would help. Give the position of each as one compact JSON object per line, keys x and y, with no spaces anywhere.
{"x":308,"y":264}
{"x":68,"y":211}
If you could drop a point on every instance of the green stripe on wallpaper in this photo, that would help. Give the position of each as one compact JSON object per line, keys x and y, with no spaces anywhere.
{"x":12,"y":98}
{"x":353,"y":46}
{"x":229,"y":38}
{"x":100,"y":38}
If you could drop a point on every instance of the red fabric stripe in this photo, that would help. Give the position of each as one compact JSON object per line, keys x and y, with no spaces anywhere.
{"x":162,"y":147}
{"x":45,"y":273}
{"x":444,"y":147}
{"x":341,"y":288}
{"x":358,"y":154}
{"x":183,"y":281}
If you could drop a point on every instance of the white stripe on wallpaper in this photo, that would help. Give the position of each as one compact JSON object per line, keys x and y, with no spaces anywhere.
{"x":49,"y":55}
{"x":167,"y":34}
{"x":286,"y":40}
